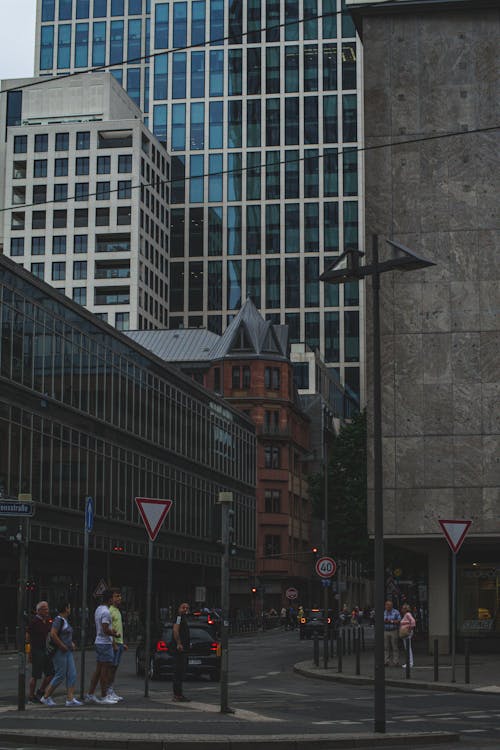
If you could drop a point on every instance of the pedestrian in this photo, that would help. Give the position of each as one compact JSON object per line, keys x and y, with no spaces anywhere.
{"x":41,"y":664}
{"x":406,"y":630}
{"x":283,"y":616}
{"x":61,"y":635}
{"x":392,"y":619}
{"x":119,"y":646}
{"x":179,"y":647}
{"x":104,"y":652}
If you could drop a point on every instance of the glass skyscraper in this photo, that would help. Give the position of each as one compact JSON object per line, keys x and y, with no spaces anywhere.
{"x":258,"y":103}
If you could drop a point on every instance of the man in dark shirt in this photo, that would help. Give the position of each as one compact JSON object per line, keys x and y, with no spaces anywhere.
{"x":180,"y":645}
{"x":41,"y":664}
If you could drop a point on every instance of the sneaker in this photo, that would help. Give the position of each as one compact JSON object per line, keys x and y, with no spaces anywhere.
{"x":108,"y":701}
{"x":47,"y":701}
{"x":181,"y":699}
{"x":74,"y":702}
{"x":35,"y":699}
{"x":112,"y":693}
{"x":91,"y":698}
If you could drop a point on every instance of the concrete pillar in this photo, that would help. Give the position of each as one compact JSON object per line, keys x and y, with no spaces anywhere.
{"x":439,"y":596}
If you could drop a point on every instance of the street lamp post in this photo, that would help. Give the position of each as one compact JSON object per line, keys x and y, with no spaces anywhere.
{"x":348,"y":268}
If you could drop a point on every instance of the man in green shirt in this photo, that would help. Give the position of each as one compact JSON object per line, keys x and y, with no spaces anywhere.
{"x":118,"y":644}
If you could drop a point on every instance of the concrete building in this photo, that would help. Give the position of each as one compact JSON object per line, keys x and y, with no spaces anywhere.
{"x":86,"y":411}
{"x":259,"y":105}
{"x":431,"y":77}
{"x":87,"y":186}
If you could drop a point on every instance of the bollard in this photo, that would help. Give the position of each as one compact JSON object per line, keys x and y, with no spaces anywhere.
{"x":467,"y":660}
{"x":436,"y":660}
{"x":6,"y":636}
{"x":339,"y":654}
{"x":332,"y":643}
{"x":316,"y":649}
{"x":357,"y":642}
{"x":363,"y":637}
{"x":407,"y":653}
{"x":349,"y":634}
{"x":343,"y":642}
{"x":325,"y":649}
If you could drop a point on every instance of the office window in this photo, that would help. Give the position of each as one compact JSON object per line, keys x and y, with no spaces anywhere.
{"x":310,"y":19}
{"x":161,"y":26}
{"x":329,"y":67}
{"x":178,"y":127}
{"x":102,"y":217}
{"x":235,"y":72}
{"x":234,"y":127}
{"x":47,"y":48}
{"x":350,"y":171}
{"x":83,"y":140}
{"x":330,"y":19}
{"x":351,"y":335}
{"x":311,"y":119}
{"x":216,"y":21}
{"x":272,"y":175}
{"x":215,"y":180}
{"x":331,"y":229}
{"x":330,"y":172}
{"x":350,"y":224}
{"x":332,"y":336}
{"x":311,"y":282}
{"x":98,"y":43}
{"x":81,"y":191}
{"x":38,"y":245}
{"x":272,"y":501}
{"x":40,"y":168}
{"x":38,"y":220}
{"x":272,"y":20}
{"x":291,"y":68}
{"x":349,"y":65}
{"x":273,"y":228}
{"x":291,"y":121}
{"x":310,"y":67}
{"x":234,"y":181}
{"x":79,"y":270}
{"x":103,"y":191}
{"x":81,"y":45}
{"x":82,"y":165}
{"x":330,"y":119}
{"x":38,"y":270}
{"x":59,"y":245}
{"x":123,"y":215}
{"x":124,"y":163}
{"x":124,"y":189}
{"x":39,"y":193}
{"x":215,"y":230}
{"x":179,"y":75}
{"x":291,"y":174}
{"x":253,"y":123}
{"x":233,"y":284}
{"x":197,"y":131}
{"x":312,"y":330}
{"x":17,"y":220}
{"x":20,"y":144}
{"x":60,"y":192}
{"x":216,"y":80}
{"x":134,"y":40}
{"x":254,"y":281}
{"x":103,"y":165}
{"x":254,"y":73}
{"x":180,"y":25}
{"x":253,"y":229}
{"x":48,"y":10}
{"x":273,"y":70}
{"x":311,"y":173}
{"x":80,"y":295}
{"x":58,"y":271}
{"x":60,"y":168}
{"x":62,"y":141}
{"x":253,"y":21}
{"x":292,"y":228}
{"x":253,"y":175}
{"x":41,"y":142}
{"x":122,"y":321}
{"x":198,"y":22}
{"x":197,"y":75}
{"x":100,"y":8}
{"x":351,"y":293}
{"x":272,"y":122}
{"x":80,"y":243}
{"x":214,"y":286}
{"x":81,"y":217}
{"x":311,"y":227}
{"x":234,"y":230}
{"x":349,"y":117}
{"x":273,"y":276}
{"x":292,"y":282}
{"x":64,"y":46}
{"x":195,"y":232}
{"x":17,"y":246}
{"x":82,"y":8}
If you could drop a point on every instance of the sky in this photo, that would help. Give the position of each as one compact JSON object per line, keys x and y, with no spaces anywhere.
{"x":17,"y":38}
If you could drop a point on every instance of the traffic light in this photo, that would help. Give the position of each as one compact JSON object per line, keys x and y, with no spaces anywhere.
{"x":315,"y":552}
{"x":254,"y":590}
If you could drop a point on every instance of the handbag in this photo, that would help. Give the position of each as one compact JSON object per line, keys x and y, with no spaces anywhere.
{"x":404,"y":630}
{"x":50,"y":646}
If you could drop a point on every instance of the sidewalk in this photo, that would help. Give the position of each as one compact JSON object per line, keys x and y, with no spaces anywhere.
{"x":484,"y":671}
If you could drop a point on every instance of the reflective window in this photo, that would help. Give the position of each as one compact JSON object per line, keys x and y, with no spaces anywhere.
{"x":195,"y":286}
{"x":234,"y":230}
{"x":41,"y":142}
{"x":253,"y":21}
{"x":216,"y":73}
{"x":196,"y":179}
{"x":48,"y":10}
{"x":253,"y":123}
{"x":254,"y":281}
{"x":38,"y":270}
{"x":60,"y":167}
{"x":134,"y":40}
{"x":272,"y":175}
{"x":235,"y":21}
{"x":292,"y":228}
{"x":234,"y":127}
{"x":253,"y":175}
{"x":100,"y":8}
{"x":310,"y":19}
{"x":64,"y":46}
{"x":235,"y":79}
{"x":332,"y":336}
{"x":329,"y":19}
{"x":254,"y":74}
{"x":216,"y":21}
{"x":291,"y":18}
{"x":311,"y":326}
{"x":65,"y":10}
{"x":272,"y":20}
{"x":117,"y":7}
{"x":215,"y":179}
{"x":180,"y":25}
{"x":134,"y":7}
{"x":216,"y":124}
{"x":350,"y":171}
{"x":39,"y":193}
{"x":46,"y":47}
{"x":291,"y":120}
{"x":60,"y":192}
{"x":98,"y":43}
{"x":195,"y":232}
{"x":233,"y":284}
{"x":79,"y":270}
{"x":178,"y":127}
{"x":103,"y":164}
{"x":349,"y":65}
{"x":179,"y":75}
{"x":81,"y":45}
{"x":331,"y":228}
{"x":349,"y":117}
{"x":83,"y":140}
{"x":198,"y":22}
{"x":329,"y":67}
{"x":272,"y":70}
{"x":80,"y":295}
{"x":161,"y":26}
{"x":310,"y":67}
{"x":291,"y":68}
{"x":330,"y":172}
{"x":124,"y":163}
{"x":58,"y":271}
{"x":177,"y":232}
{"x":160,"y":77}
{"x":292,"y":282}
{"x":272,"y":122}
{"x":350,"y":224}
{"x":311,"y":173}
{"x":311,"y":119}
{"x":178,"y":169}
{"x":348,"y":28}
{"x":197,"y":132}
{"x":214,"y":285}
{"x":160,"y":122}
{"x":330,"y":119}
{"x":215,"y":230}
{"x":311,"y":227}
{"x":273,"y":228}
{"x":253,"y":230}
{"x":16,"y":246}
{"x":351,"y":335}
{"x":291,"y":174}
{"x":20,"y":144}
{"x":103,"y":191}
{"x":351,"y":293}
{"x":116,"y":42}
{"x":40,"y":168}
{"x":311,"y":282}
{"x":197,"y":75}
{"x":80,"y":243}
{"x":272,"y":282}
{"x":234,"y":177}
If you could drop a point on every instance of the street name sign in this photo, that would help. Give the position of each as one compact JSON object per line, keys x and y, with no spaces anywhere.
{"x":153,"y":513}
{"x":455,"y":532}
{"x":326,"y":567}
{"x":16,"y":508}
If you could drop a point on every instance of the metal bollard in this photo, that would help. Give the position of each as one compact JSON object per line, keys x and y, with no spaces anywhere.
{"x":357,"y":642}
{"x":343,"y":642}
{"x":325,"y":650}
{"x":349,"y":635}
{"x":407,"y":653}
{"x":332,"y":643}
{"x":436,"y":660}
{"x":467,"y":660}
{"x":6,"y":637}
{"x":339,"y":654}
{"x":315,"y":649}
{"x":363,"y":637}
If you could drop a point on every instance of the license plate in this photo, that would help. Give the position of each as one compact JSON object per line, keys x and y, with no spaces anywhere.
{"x":194,"y":662}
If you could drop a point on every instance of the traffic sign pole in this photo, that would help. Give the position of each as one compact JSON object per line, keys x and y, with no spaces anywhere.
{"x":147,"y":656}
{"x":88,"y":526}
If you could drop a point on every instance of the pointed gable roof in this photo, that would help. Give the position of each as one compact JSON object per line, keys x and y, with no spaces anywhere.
{"x":249,"y":334}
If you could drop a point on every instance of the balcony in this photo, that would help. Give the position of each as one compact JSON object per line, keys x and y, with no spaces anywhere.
{"x":112,"y":243}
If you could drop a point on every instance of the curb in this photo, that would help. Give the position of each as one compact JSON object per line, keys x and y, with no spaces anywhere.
{"x":448,"y":687}
{"x":215,"y":742}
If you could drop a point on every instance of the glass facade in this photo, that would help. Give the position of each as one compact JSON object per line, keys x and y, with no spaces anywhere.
{"x":285,"y":109}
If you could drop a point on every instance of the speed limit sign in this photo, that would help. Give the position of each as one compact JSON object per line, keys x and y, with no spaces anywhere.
{"x":326,"y":567}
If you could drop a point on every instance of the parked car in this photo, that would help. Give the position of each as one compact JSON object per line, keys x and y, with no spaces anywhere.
{"x":203,"y":657}
{"x":313,"y":621}
{"x":209,"y":620}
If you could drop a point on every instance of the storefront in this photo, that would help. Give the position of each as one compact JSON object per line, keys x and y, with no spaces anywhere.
{"x":478,"y":602}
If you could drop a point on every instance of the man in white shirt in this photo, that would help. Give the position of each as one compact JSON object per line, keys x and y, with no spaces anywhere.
{"x":104,"y":652}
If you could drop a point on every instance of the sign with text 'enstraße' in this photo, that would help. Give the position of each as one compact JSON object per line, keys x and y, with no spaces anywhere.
{"x":153,"y":513}
{"x":455,"y":532}
{"x":15,"y":508}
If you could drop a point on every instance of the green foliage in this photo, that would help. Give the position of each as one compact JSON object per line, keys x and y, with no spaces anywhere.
{"x":347,"y":519}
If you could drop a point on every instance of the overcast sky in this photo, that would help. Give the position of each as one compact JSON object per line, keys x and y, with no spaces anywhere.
{"x":17,"y":38}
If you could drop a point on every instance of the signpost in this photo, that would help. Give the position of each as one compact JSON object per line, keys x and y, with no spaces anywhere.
{"x":326,"y":567}
{"x":153,"y":513}
{"x":455,"y":532}
{"x":22,"y":509}
{"x":88,"y":526}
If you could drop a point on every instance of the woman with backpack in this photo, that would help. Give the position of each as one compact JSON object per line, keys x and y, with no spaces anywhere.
{"x":60,"y":643}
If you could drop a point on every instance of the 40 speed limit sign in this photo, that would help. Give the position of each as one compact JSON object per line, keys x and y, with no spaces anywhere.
{"x":326,"y":567}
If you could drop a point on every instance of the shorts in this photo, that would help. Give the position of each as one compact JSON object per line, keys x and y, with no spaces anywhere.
{"x":41,"y":664}
{"x":104,"y":652}
{"x":117,"y":654}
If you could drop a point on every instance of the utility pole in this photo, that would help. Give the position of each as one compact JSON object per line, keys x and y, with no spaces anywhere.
{"x":225,"y":501}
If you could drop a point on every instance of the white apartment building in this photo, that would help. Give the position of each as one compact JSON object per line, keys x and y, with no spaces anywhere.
{"x":85,"y":185}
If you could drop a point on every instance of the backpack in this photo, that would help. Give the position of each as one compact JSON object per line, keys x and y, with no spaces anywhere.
{"x":50,"y":646}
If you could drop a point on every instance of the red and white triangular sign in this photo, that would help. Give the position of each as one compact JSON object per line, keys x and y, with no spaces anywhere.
{"x":455,"y":532}
{"x":153,"y":513}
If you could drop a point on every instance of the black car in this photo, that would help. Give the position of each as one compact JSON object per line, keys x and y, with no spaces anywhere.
{"x":313,"y":621}
{"x":203,"y":656}
{"x":209,"y":620}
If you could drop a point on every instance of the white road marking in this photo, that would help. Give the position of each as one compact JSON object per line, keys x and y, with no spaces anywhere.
{"x":241,"y":682}
{"x":273,"y":673}
{"x":471,"y":731}
{"x":285,"y":692}
{"x":259,"y":677}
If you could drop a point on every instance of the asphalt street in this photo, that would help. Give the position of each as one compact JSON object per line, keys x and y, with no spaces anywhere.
{"x":268,"y":698}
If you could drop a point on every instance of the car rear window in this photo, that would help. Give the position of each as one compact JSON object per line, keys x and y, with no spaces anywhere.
{"x":196,"y":634}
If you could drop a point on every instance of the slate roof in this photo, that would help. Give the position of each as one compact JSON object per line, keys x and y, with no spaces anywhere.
{"x":185,"y":344}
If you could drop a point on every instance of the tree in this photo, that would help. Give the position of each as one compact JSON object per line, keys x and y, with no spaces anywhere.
{"x":347,"y":510}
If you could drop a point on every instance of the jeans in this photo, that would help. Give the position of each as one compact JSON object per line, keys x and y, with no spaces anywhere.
{"x":408,"y":648}
{"x":117,"y":654}
{"x":64,"y":665}
{"x":180,"y":663}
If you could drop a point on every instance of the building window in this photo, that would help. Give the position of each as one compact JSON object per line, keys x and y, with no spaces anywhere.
{"x":103,"y":165}
{"x":246,"y":377}
{"x":83,"y":140}
{"x":301,"y":374}
{"x":60,"y":219}
{"x":59,"y":245}
{"x":81,"y":191}
{"x":62,"y":141}
{"x":38,"y":270}
{"x":17,"y":246}
{"x":272,"y":545}
{"x":125,"y":163}
{"x":79,"y":270}
{"x":124,"y":189}
{"x":102,"y":217}
{"x":122,"y":321}
{"x":272,"y":378}
{"x":61,"y":192}
{"x":272,"y":501}
{"x":124,"y":215}
{"x":81,"y":217}
{"x":80,"y":295}
{"x":38,"y":245}
{"x":41,"y":142}
{"x":82,"y":165}
{"x":61,"y":168}
{"x":272,"y":457}
{"x":217,"y":388}
{"x":20,"y":144}
{"x":236,"y":381}
{"x":40,"y":168}
{"x":103,"y":191}
{"x":38,"y":220}
{"x":80,"y":243}
{"x":39,"y":193}
{"x":58,"y":271}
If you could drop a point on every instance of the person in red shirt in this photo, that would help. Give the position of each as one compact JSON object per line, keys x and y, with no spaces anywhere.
{"x":41,"y":664}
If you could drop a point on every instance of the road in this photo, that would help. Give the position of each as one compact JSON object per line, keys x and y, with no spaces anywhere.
{"x":266,"y":693}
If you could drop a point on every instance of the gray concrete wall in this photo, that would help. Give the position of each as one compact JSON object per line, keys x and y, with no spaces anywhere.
{"x":428,"y":73}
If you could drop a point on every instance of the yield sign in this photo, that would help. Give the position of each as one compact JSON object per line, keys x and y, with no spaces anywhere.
{"x":455,"y":532}
{"x":153,"y":513}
